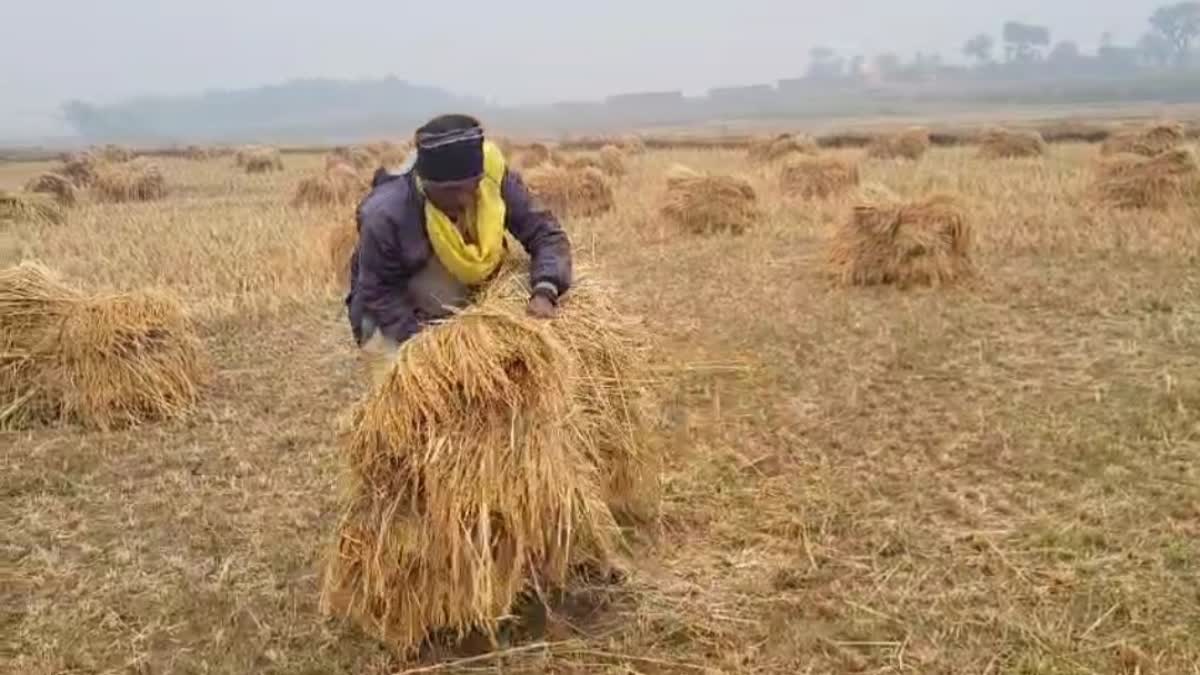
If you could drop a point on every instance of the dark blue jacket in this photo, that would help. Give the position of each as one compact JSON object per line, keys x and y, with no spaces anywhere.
{"x":393,"y":246}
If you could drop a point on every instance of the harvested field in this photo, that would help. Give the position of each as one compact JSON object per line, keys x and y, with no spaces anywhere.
{"x":996,"y":476}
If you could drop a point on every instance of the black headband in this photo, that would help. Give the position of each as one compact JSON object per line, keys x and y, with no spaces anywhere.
{"x":450,"y":155}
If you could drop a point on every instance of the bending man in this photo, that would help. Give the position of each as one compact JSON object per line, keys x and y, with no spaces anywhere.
{"x":431,"y":233}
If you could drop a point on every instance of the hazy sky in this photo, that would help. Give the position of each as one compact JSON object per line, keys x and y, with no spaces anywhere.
{"x":513,"y":51}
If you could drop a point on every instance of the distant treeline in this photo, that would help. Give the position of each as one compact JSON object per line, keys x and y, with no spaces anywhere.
{"x":1029,"y":69}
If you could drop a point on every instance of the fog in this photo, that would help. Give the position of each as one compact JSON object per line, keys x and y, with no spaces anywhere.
{"x":512,"y":51}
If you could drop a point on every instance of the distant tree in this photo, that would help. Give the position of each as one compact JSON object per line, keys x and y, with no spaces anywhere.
{"x":1179,"y":25}
{"x":887,"y":64}
{"x":980,"y":48}
{"x":1065,"y":54}
{"x":1155,"y":50}
{"x":857,"y":66}
{"x":1022,"y":41}
{"x":824,"y":64}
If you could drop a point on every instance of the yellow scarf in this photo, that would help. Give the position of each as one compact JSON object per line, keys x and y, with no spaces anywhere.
{"x":473,"y":264}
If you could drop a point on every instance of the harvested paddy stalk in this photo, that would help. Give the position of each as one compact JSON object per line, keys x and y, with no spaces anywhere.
{"x":707,"y":204}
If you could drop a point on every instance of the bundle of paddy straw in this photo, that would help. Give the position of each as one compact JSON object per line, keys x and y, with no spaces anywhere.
{"x":570,"y":192}
{"x":1006,"y":144}
{"x":818,"y":177}
{"x":782,"y":146}
{"x":704,"y":203}
{"x":910,"y":144}
{"x":55,"y":184}
{"x":491,"y":459}
{"x":137,"y":181}
{"x":1133,"y":181}
{"x":888,"y":240}
{"x":100,"y":360}
{"x":338,"y":185}
{"x":1150,"y":141}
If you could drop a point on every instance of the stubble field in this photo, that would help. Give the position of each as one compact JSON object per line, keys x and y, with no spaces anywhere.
{"x":999,"y":477}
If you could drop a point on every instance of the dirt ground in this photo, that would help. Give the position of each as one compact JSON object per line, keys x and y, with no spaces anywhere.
{"x":1000,"y":477}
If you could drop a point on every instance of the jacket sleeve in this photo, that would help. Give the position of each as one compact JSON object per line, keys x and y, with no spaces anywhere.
{"x":382,"y":280}
{"x":540,"y":234}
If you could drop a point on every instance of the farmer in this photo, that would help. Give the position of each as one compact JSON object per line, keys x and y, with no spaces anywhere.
{"x":435,"y":230}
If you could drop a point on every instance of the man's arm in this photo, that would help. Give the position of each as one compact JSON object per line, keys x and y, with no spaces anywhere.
{"x":381,"y":282}
{"x":540,"y":234}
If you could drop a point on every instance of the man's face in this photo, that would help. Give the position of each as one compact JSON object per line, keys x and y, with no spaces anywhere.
{"x":452,"y":197}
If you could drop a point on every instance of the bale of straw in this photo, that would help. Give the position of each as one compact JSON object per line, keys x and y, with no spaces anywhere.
{"x":476,"y":467}
{"x":338,"y":185}
{"x":571,"y":192}
{"x":1148,"y":142}
{"x":80,"y":167}
{"x":102,"y":360}
{"x":708,"y":204}
{"x":198,"y":153}
{"x":387,"y":154}
{"x":1006,"y":144}
{"x":818,"y":177}
{"x":55,"y":184}
{"x":632,"y":144}
{"x":1131,"y":181}
{"x":357,"y":157}
{"x":115,"y":153}
{"x":887,"y":240}
{"x":534,"y":156}
{"x":26,"y":207}
{"x":262,"y":160}
{"x":911,"y":144}
{"x":612,"y":161}
{"x":781,"y":146}
{"x":130,"y":182}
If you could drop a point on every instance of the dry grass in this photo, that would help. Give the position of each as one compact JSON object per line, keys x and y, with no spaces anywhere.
{"x":338,"y":185}
{"x":998,"y":477}
{"x":1006,"y":144}
{"x":887,"y":240}
{"x":494,"y":416}
{"x":709,"y":203}
{"x":1136,"y":182}
{"x":340,"y":241}
{"x":31,"y":208}
{"x":101,"y":360}
{"x":1150,"y":141}
{"x":911,"y":144}
{"x":55,"y":184}
{"x":138,"y":181}
{"x":819,"y":177}
{"x":583,"y":193}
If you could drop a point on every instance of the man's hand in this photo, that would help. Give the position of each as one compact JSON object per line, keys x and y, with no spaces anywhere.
{"x":540,"y":307}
